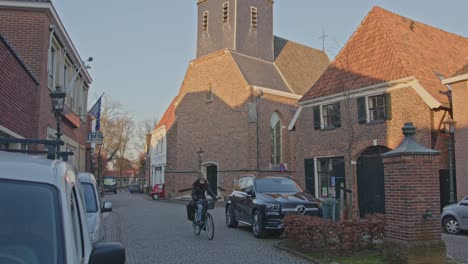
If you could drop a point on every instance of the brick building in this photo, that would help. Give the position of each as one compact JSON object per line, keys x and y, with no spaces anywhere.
{"x":459,"y":85}
{"x":238,"y":97}
{"x":18,"y":108}
{"x":387,"y":74}
{"x":34,"y":30}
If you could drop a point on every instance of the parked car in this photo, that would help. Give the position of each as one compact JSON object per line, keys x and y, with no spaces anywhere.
{"x":158,"y":191}
{"x":110,"y":184}
{"x":264,"y":202}
{"x":94,"y":207}
{"x":455,"y":217}
{"x":135,"y":188}
{"x":43,"y":210}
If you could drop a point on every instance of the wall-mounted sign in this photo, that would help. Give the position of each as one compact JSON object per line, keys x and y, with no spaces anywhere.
{"x":95,"y":137}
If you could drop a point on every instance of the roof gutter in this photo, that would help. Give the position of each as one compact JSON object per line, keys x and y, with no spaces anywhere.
{"x":455,"y":79}
{"x":276,"y":92}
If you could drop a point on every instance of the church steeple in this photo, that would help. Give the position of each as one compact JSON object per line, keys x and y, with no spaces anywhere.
{"x":245,"y":26}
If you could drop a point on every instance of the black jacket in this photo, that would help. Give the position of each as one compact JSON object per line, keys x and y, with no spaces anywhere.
{"x":198,"y":191}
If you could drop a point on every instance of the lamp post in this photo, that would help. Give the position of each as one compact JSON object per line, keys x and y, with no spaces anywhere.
{"x":450,"y":128}
{"x":99,"y":164}
{"x":200,"y":157}
{"x":58,"y":102}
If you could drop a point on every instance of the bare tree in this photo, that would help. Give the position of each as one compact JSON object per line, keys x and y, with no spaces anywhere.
{"x":117,"y":127}
{"x":145,"y":127}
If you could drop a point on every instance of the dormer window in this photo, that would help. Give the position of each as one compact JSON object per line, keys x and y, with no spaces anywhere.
{"x":225,"y":12}
{"x":205,"y":20}
{"x":253,"y":17}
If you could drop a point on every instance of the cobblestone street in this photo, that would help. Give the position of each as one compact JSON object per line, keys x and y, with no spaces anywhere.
{"x":158,"y":232}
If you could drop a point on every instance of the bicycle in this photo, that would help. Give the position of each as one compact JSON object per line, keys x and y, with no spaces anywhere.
{"x":207,"y":220}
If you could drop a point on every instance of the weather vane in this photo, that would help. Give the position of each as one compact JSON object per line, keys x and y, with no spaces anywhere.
{"x":323,"y":37}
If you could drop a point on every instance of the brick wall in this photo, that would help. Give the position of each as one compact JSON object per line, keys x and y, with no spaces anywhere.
{"x":460,"y":115}
{"x":411,"y":188}
{"x":221,"y":126}
{"x":28,"y":32}
{"x":407,"y":106}
{"x":18,"y":91}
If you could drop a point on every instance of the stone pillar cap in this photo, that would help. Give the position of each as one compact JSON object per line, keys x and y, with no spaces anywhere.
{"x":410,"y":146}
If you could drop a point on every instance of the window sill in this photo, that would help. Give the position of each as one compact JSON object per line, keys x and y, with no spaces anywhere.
{"x":328,"y":128}
{"x":375,"y":122}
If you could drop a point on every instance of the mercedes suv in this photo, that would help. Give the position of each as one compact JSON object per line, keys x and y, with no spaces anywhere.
{"x":263,"y":203}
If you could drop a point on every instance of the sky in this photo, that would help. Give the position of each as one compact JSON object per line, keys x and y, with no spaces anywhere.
{"x":142,"y":48}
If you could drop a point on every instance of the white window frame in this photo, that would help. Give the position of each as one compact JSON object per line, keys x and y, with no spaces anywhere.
{"x":322,"y":119}
{"x":52,"y":59}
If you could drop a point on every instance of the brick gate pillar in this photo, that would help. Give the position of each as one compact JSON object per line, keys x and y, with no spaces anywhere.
{"x":412,"y":204}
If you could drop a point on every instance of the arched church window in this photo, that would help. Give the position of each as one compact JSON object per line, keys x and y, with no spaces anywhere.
{"x":275,"y":126}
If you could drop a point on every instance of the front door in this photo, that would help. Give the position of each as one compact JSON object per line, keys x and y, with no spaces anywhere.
{"x":309,"y":169}
{"x":370,"y":176}
{"x":212,"y":177}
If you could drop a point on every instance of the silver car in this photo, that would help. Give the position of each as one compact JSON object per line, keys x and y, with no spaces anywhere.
{"x":455,"y":217}
{"x":94,"y":209}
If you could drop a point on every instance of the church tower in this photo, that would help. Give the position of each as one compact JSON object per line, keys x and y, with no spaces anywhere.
{"x":244,"y":26}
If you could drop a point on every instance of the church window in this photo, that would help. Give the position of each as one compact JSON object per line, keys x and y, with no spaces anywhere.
{"x":205,"y":20}
{"x":225,"y":12}
{"x":275,"y":134}
{"x":253,"y":17}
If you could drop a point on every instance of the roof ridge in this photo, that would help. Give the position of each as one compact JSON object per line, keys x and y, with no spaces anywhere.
{"x":297,"y":43}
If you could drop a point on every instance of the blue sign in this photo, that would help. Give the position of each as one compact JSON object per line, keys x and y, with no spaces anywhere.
{"x":282,"y":167}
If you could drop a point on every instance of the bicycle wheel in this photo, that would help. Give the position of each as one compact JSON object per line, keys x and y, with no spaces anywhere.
{"x":209,"y":226}
{"x":196,"y":228}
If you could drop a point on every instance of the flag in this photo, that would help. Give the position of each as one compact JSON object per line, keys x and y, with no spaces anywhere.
{"x":96,"y":112}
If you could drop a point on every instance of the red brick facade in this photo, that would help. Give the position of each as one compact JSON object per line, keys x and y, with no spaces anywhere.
{"x":28,"y":31}
{"x":18,"y":93}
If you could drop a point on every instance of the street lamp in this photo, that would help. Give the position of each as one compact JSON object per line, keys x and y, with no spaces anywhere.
{"x":58,"y":103}
{"x":200,"y":157}
{"x":449,"y":127}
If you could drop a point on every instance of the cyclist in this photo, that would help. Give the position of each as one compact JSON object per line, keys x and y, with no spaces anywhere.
{"x":199,"y":187}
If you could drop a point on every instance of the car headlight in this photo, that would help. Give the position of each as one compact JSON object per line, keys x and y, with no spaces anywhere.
{"x":272,"y":207}
{"x":92,"y":236}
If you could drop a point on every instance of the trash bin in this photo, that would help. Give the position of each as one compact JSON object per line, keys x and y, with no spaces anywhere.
{"x":330,"y":208}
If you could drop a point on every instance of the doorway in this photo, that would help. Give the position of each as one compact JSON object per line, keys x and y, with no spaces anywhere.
{"x":212,"y":177}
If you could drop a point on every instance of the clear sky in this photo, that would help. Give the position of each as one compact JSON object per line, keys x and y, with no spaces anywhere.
{"x":141,"y":48}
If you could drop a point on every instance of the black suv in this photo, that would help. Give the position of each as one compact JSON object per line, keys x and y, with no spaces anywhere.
{"x":264,"y":202}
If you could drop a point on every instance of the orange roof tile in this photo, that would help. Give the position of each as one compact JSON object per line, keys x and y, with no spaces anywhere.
{"x":386,"y":47}
{"x":168,"y":117}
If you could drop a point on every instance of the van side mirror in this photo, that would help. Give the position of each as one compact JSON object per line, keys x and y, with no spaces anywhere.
{"x":108,"y":253}
{"x":107,"y":207}
{"x":250,"y":192}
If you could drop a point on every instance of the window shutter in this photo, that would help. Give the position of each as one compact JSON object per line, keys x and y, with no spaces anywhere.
{"x":337,"y":119}
{"x":388,"y":106}
{"x":361,"y":107}
{"x":317,"y":117}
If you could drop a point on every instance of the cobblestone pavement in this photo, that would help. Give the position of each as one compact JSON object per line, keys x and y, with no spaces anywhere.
{"x":457,"y":246}
{"x":158,"y":232}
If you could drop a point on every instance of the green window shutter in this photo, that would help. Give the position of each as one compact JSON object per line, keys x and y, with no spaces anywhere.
{"x":388,"y":106}
{"x":337,"y":117}
{"x":317,"y":125}
{"x":361,"y":106}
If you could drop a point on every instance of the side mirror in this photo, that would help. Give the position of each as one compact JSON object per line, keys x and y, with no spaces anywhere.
{"x":464,"y":203}
{"x":108,"y":253}
{"x":107,"y":207}
{"x":250,"y":192}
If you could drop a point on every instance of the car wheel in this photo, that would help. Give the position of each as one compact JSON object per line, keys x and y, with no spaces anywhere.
{"x":230,"y":218}
{"x":451,"y":225}
{"x":155,"y":196}
{"x":257,"y":226}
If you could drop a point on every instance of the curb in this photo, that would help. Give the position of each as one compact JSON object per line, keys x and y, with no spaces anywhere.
{"x":296,"y":253}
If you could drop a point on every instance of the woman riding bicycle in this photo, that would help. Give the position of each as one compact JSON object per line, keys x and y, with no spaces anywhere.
{"x":199,"y":187}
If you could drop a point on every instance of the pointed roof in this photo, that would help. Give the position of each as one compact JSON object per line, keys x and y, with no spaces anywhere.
{"x":386,"y":47}
{"x":169,"y":116}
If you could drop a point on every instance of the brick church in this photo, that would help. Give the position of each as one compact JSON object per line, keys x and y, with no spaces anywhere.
{"x":237,"y":99}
